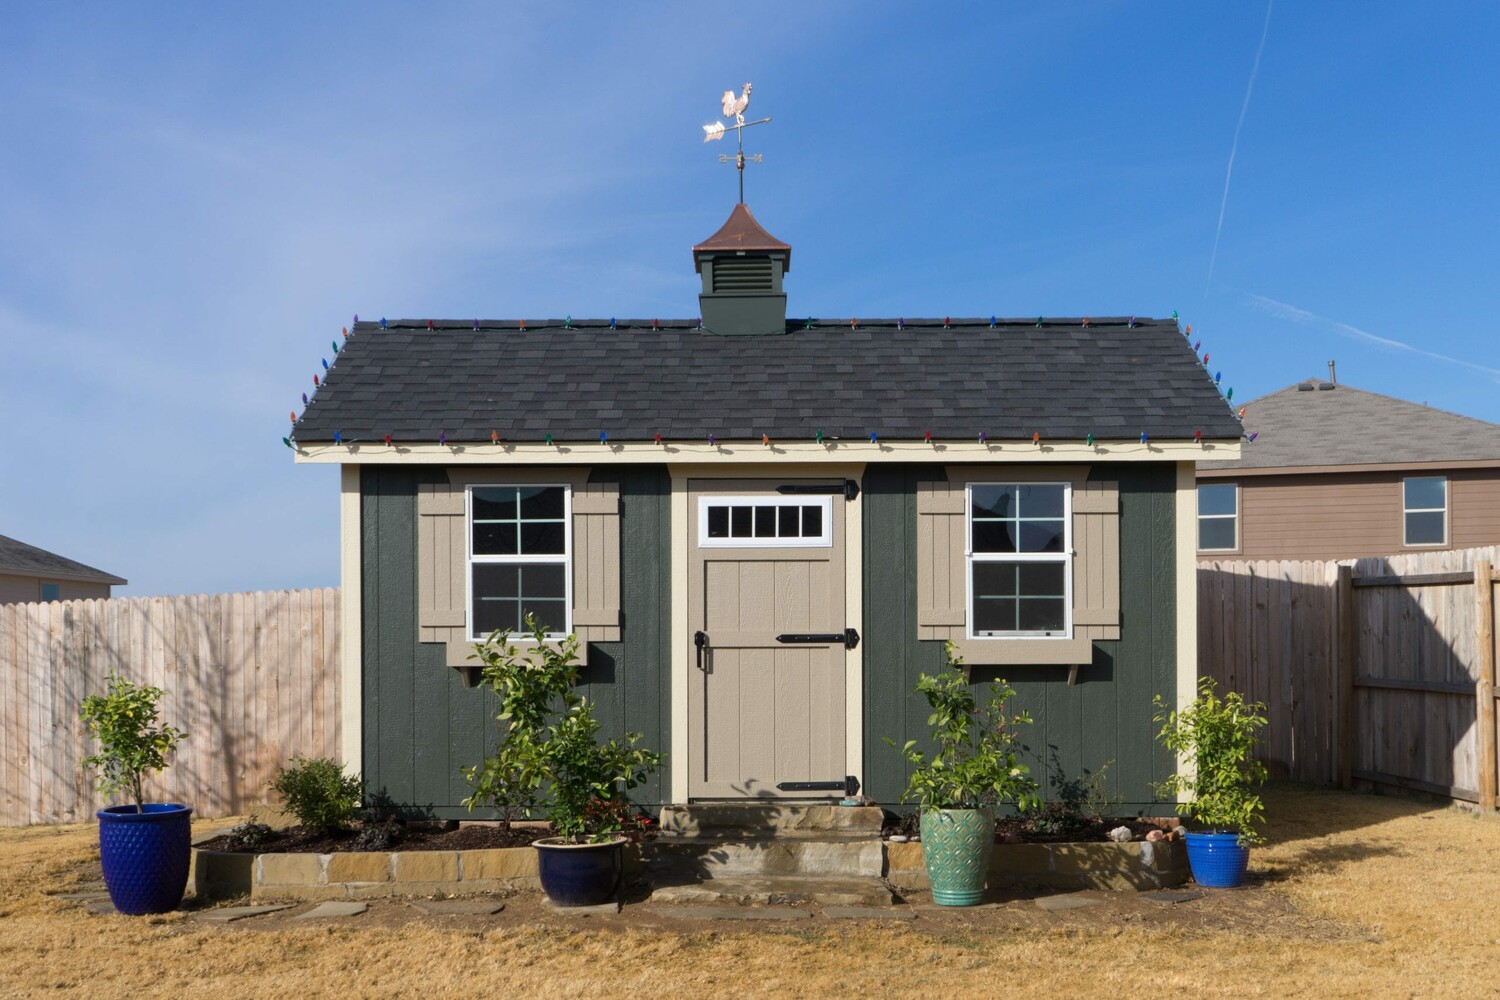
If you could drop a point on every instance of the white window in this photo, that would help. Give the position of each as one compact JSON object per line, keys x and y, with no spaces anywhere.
{"x":1425,"y":510}
{"x":765,"y":522}
{"x":1219,"y":517}
{"x":1020,"y":553}
{"x":519,"y":538}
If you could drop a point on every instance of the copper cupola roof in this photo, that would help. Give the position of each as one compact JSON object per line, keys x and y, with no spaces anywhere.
{"x":740,"y":232}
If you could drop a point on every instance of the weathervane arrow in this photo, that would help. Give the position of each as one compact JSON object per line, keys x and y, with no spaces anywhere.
{"x":734,"y":107}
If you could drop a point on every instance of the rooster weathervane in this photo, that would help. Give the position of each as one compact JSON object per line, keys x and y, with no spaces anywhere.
{"x":734,"y":107}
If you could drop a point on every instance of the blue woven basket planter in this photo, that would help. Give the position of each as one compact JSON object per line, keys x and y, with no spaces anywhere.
{"x":579,"y":874}
{"x":145,"y":856}
{"x":1217,"y":859}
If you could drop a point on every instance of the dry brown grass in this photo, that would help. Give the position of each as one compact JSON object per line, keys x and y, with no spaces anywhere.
{"x":1357,"y":896}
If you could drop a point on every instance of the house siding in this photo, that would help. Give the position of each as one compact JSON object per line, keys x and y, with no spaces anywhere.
{"x":422,"y":726}
{"x":1353,"y":515}
{"x":19,"y":589}
{"x":1105,"y":719}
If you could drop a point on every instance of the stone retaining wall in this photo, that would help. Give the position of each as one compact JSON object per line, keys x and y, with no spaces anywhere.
{"x":368,"y":874}
{"x":1136,"y":865}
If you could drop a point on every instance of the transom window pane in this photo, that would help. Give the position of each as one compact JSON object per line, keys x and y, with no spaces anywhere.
{"x":1425,"y":500}
{"x":518,"y":520}
{"x":1017,"y":518}
{"x":762,"y":522}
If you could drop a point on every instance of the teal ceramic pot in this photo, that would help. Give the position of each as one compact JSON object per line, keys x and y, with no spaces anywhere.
{"x":956,"y":846}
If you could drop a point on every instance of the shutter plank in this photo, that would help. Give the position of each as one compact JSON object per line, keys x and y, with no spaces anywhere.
{"x":941,"y":576}
{"x":1096,"y":564}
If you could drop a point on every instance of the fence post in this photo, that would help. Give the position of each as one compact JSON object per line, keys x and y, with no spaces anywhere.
{"x":1345,"y":601}
{"x":1485,"y":686}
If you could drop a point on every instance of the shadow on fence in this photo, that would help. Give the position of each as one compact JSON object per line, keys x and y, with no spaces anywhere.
{"x":251,"y":677}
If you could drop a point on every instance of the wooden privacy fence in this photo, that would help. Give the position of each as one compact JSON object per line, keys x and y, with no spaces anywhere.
{"x":252,"y":677}
{"x":1373,"y":670}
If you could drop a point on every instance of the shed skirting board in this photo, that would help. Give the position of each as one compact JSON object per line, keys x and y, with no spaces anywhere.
{"x":351,"y":601}
{"x":755,"y":452}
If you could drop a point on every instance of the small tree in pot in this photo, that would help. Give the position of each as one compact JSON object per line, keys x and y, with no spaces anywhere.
{"x":1219,"y":736}
{"x":145,"y":848}
{"x":973,"y":769}
{"x":551,"y":750}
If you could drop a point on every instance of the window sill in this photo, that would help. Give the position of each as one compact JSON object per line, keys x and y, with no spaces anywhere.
{"x":1025,"y":652}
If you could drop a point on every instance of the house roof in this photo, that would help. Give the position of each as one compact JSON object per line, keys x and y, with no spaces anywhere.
{"x":741,"y":232}
{"x":28,"y":560}
{"x":573,"y":380}
{"x":1318,"y":423}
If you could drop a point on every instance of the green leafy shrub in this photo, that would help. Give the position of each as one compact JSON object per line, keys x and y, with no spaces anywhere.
{"x":1219,"y":737}
{"x":319,"y":793}
{"x":975,"y":762}
{"x":550,"y":750}
{"x":123,"y":721}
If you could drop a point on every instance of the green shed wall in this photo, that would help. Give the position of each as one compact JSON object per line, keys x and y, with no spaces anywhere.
{"x":422,"y":726}
{"x":1104,"y":719}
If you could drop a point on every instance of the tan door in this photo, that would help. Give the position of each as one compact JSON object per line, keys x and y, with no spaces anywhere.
{"x":766,"y":606}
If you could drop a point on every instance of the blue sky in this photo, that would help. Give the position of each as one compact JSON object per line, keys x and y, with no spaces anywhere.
{"x":193,"y":201}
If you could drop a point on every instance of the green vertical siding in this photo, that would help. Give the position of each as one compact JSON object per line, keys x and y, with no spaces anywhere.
{"x":1105,"y":718}
{"x":422,"y":726}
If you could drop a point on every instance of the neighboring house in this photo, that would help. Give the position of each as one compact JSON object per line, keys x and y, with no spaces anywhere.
{"x":763,"y":529}
{"x":1339,"y":473}
{"x":29,"y":574}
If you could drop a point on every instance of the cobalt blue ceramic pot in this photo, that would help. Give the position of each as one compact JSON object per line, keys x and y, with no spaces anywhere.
{"x":1217,"y":859}
{"x":145,"y":856}
{"x":579,"y":874}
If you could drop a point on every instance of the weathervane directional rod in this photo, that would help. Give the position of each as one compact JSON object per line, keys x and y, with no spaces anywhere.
{"x":734,"y":107}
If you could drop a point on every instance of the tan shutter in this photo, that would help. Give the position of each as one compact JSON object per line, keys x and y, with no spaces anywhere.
{"x":441,"y":558}
{"x":1096,"y":564}
{"x":941,"y":569}
{"x":596,"y":562}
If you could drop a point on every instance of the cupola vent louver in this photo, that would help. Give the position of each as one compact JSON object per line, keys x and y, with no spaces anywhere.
{"x":743,"y":274}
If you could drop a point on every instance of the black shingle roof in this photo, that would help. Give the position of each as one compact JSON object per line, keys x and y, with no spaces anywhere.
{"x":899,"y":379}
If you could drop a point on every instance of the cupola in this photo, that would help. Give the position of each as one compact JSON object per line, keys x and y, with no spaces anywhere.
{"x":742,"y":267}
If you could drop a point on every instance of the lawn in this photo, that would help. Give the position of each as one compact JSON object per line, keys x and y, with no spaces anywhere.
{"x":1356,"y":895}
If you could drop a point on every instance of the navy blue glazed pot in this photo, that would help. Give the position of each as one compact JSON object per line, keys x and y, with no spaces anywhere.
{"x":1217,"y":859}
{"x":579,"y":874}
{"x":145,"y":856}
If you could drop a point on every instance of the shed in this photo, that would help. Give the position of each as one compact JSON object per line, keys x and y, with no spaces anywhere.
{"x":763,"y":528}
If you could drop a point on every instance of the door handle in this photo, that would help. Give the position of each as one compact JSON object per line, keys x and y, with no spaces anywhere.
{"x":700,"y":640}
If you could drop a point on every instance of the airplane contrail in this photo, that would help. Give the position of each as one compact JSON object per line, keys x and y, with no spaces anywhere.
{"x":1282,"y":310}
{"x":1235,"y":145}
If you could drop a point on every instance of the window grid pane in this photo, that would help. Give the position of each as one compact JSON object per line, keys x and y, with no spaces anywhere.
{"x":528,"y":525}
{"x":762,"y":522}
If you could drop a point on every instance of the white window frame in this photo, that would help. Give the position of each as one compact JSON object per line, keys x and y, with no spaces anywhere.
{"x":1405,"y":510}
{"x":470,"y":559}
{"x":1066,"y":557}
{"x":822,"y":542}
{"x":1235,"y":517}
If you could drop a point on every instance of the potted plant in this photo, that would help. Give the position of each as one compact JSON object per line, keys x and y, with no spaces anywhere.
{"x":972,"y":770}
{"x":551,"y":747}
{"x":1218,"y":737}
{"x":145,"y":848}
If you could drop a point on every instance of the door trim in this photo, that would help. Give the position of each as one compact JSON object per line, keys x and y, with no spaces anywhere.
{"x":682,"y":640}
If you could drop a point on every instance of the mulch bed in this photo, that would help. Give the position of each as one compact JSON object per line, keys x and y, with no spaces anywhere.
{"x":1015,"y":829}
{"x":399,"y":838}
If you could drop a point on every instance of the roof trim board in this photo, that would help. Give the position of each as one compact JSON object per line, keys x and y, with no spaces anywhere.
{"x":748,"y":452}
{"x":1311,"y":470}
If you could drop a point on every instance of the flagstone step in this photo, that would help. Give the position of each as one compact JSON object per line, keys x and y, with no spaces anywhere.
{"x":748,"y":820}
{"x":713,"y":859}
{"x":775,"y":891}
